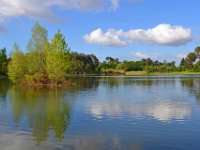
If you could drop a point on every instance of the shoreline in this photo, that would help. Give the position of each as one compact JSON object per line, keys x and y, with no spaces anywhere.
{"x":135,"y":73}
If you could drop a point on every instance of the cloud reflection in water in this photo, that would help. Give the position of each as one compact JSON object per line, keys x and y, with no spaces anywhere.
{"x":164,"y":111}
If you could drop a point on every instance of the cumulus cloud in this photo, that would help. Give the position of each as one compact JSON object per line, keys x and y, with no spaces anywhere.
{"x":29,"y":8}
{"x":109,"y":38}
{"x":163,"y":34}
{"x":38,"y":9}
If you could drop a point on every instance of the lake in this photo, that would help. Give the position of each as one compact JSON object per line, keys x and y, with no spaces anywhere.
{"x":103,"y":113}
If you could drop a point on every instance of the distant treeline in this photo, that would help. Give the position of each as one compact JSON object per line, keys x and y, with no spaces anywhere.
{"x":190,"y":64}
{"x":3,"y":61}
{"x":48,"y":61}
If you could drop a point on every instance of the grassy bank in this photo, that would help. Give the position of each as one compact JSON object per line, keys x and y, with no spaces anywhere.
{"x":113,"y":72}
{"x":143,"y":73}
{"x":135,"y":73}
{"x":177,"y":73}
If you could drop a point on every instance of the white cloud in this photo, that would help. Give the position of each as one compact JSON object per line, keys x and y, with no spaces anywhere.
{"x":110,"y":38}
{"x":43,"y":9}
{"x":29,"y":8}
{"x":163,"y":34}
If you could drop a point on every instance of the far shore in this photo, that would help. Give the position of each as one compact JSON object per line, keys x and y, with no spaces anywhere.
{"x":128,"y":73}
{"x":139,"y":73}
{"x":135,"y":73}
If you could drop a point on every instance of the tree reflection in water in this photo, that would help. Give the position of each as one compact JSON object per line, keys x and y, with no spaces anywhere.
{"x":3,"y":88}
{"x":192,"y":85}
{"x":47,"y":112}
{"x":44,"y":110}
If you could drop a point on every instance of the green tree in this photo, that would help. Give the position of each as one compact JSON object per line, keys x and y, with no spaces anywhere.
{"x":197,"y":51}
{"x":82,"y":63}
{"x":38,"y":38}
{"x":147,"y":62}
{"x":190,"y":59}
{"x":112,"y":60}
{"x":122,"y":66}
{"x":36,"y":50}
{"x":157,"y":63}
{"x":17,"y":65}
{"x":57,"y":56}
{"x":3,"y":61}
{"x":35,"y":62}
{"x":183,"y":62}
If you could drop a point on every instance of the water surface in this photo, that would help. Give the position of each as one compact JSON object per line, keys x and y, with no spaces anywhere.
{"x":103,"y":113}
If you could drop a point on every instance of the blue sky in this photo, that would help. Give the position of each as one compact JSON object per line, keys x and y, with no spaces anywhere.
{"x":127,"y":29}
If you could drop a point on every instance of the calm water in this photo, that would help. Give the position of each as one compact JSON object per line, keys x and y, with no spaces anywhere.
{"x":100,"y":113}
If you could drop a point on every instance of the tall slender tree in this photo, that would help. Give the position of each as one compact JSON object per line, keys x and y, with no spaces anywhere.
{"x":36,"y":47}
{"x":57,"y":56}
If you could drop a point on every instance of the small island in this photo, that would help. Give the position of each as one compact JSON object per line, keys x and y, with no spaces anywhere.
{"x":47,"y":62}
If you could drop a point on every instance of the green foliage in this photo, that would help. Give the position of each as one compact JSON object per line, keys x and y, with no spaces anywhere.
{"x":3,"y":61}
{"x":57,"y":56}
{"x":43,"y":61}
{"x":147,"y":62}
{"x":35,"y":62}
{"x":190,"y":59}
{"x":82,"y":63}
{"x":50,"y":114}
{"x":114,"y":66}
{"x":36,"y":50}
{"x":112,"y":60}
{"x":122,"y":66}
{"x":17,"y":65}
{"x":197,"y":51}
{"x":183,"y":62}
{"x":38,"y":38}
{"x":134,"y":66}
{"x":161,"y":69}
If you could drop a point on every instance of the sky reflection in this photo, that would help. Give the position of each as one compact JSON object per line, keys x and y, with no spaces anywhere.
{"x":164,"y":111}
